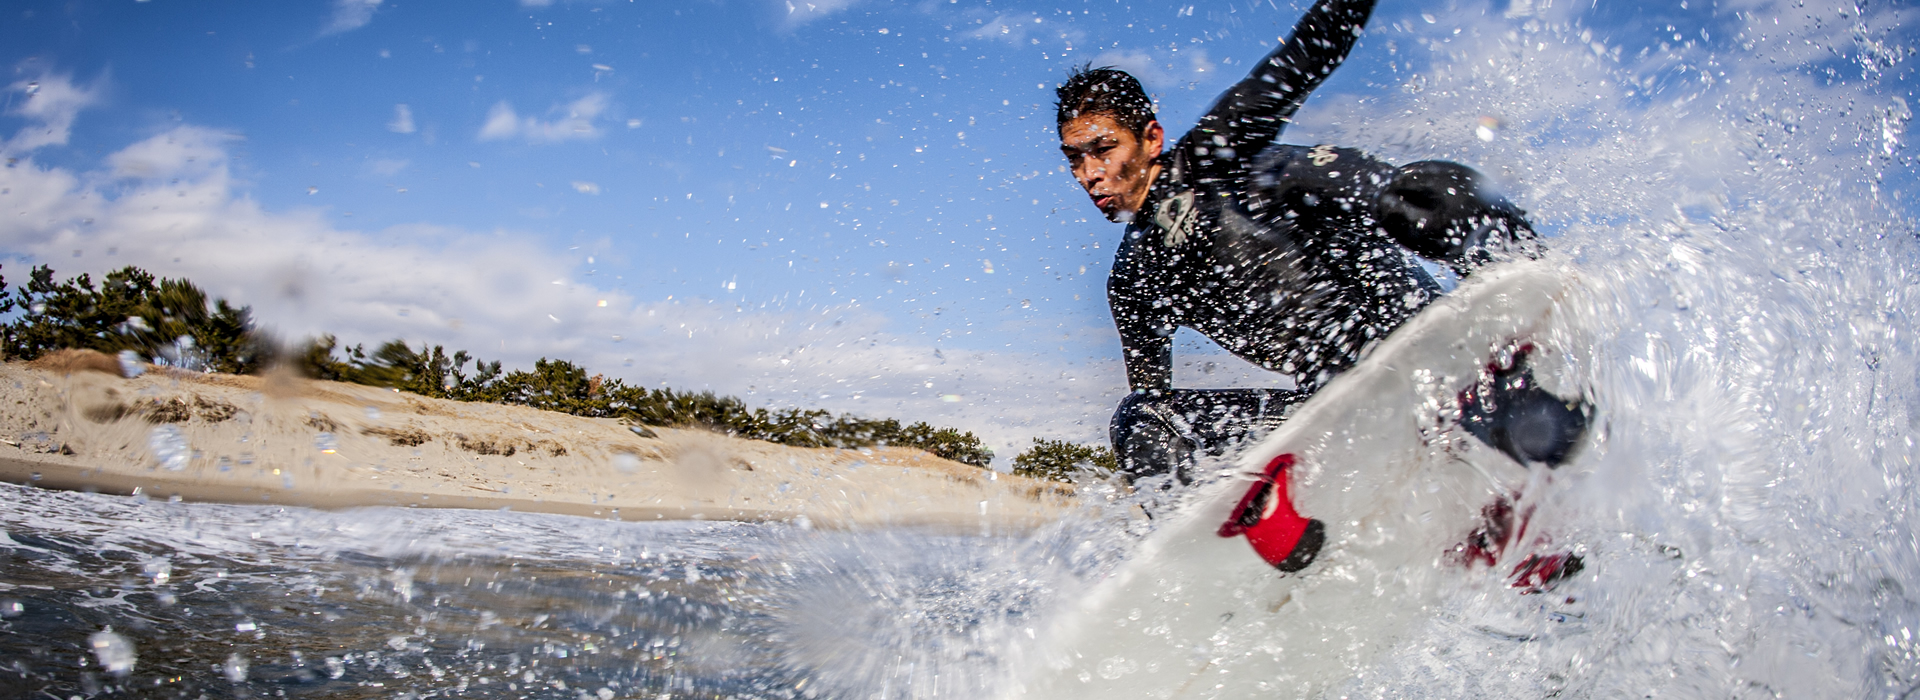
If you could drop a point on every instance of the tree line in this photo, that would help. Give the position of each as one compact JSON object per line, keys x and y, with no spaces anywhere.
{"x":173,"y":322}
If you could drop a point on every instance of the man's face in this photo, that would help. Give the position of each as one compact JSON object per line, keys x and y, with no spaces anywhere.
{"x":1115,"y":166}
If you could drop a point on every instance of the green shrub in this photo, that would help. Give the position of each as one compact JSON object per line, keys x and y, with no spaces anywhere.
{"x":559,"y":385}
{"x":1059,"y":459}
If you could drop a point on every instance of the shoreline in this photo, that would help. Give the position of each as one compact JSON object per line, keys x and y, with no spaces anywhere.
{"x":69,"y":423}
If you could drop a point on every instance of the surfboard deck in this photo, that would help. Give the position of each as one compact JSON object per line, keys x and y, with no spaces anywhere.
{"x":1395,"y":461}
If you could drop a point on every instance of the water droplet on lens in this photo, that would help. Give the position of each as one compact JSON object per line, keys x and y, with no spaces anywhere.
{"x":235,"y":668}
{"x":114,"y":652}
{"x":131,"y":365}
{"x":160,"y":570}
{"x":170,"y":447}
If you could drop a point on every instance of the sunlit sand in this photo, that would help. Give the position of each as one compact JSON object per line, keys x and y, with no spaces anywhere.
{"x":291,"y":441}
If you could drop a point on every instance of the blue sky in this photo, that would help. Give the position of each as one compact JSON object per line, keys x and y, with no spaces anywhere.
{"x":849,"y":204}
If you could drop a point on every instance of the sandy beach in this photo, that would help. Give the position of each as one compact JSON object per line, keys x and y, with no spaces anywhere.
{"x":70,"y":422}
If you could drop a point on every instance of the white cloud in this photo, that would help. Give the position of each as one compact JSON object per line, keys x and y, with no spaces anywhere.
{"x":584,"y":187}
{"x":1012,"y":29}
{"x":185,"y":152}
{"x":388,"y":167}
{"x":52,"y":103}
{"x":502,"y":123}
{"x":1142,"y":66}
{"x":349,"y":15}
{"x":799,"y":12}
{"x":576,"y":122}
{"x":1024,"y":29}
{"x":402,"y":120}
{"x":168,"y":204}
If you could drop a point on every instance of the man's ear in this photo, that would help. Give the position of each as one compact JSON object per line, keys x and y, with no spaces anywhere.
{"x":1153,"y":138}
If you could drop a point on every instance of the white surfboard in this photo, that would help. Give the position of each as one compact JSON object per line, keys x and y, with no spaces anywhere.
{"x":1405,"y":495}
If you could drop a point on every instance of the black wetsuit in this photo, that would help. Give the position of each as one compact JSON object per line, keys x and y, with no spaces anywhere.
{"x":1293,"y":258}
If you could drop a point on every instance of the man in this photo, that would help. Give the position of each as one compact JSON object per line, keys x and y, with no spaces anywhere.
{"x":1290,"y":257}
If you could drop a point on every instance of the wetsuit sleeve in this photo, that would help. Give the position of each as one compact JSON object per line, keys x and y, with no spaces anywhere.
{"x":1145,"y":343}
{"x":1149,"y":360}
{"x":1252,"y":114}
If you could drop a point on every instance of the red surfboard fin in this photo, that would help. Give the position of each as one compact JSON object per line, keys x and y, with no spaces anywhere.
{"x":1278,"y":533}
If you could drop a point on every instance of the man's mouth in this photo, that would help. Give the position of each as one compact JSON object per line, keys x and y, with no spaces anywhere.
{"x":1105,"y":202}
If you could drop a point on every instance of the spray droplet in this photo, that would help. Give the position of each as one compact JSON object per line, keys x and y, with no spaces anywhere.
{"x":115,"y":653}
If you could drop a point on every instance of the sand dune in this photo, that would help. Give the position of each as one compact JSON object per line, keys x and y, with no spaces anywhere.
{"x":71,"y":422}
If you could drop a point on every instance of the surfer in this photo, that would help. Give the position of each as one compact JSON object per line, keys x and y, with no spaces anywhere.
{"x":1294,"y":258}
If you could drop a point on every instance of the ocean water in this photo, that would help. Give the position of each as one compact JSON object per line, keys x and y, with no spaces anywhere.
{"x":1736,"y":211}
{"x":106,"y":594}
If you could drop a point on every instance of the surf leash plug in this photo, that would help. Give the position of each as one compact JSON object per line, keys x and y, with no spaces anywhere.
{"x":1278,"y":533}
{"x":1510,"y":412}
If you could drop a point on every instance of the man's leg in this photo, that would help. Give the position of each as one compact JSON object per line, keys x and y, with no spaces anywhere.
{"x":1147,"y":439}
{"x":1447,"y":212}
{"x":1156,"y":433}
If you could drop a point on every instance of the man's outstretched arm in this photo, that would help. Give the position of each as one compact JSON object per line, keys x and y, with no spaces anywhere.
{"x":1251,"y":114}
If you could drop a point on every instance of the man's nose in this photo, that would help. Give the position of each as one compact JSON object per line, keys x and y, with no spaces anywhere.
{"x":1089,"y":172}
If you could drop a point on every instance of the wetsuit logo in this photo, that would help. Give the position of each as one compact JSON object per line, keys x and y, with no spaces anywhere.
{"x":1322,"y":155}
{"x":1175,"y":217}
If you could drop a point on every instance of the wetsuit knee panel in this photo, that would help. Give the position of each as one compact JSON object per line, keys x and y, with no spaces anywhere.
{"x":1156,"y":433}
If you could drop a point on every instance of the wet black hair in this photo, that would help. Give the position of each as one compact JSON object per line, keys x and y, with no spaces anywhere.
{"x":1104,"y":90}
